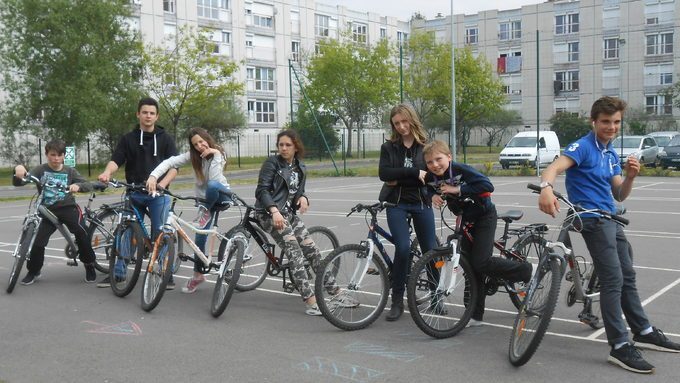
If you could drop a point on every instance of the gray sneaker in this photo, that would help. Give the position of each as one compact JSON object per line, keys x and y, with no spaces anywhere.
{"x":629,"y":358}
{"x":656,"y":340}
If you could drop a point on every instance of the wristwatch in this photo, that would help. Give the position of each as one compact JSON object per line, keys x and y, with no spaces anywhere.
{"x":545,"y":184}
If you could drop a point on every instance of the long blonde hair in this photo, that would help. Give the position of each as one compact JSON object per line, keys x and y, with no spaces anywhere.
{"x":416,"y":126}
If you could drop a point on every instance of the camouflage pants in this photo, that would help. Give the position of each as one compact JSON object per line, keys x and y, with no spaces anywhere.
{"x":295,"y":241}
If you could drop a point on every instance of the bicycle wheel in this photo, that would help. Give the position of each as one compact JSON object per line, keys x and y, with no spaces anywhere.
{"x":439,"y":313}
{"x":530,"y":247}
{"x":348,"y":296}
{"x":20,"y":252}
{"x":158,"y":272}
{"x":127,"y":257}
{"x":415,"y":255}
{"x":101,"y":231}
{"x":535,"y":313}
{"x":326,"y":241}
{"x":227,"y":275}
{"x":254,"y":269}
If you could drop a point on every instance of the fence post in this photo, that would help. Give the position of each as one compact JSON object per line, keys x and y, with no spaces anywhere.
{"x":40,"y":151}
{"x":344,"y":156}
{"x":269,"y":150}
{"x":363,"y":139}
{"x":89,"y":163}
{"x":238,"y":150}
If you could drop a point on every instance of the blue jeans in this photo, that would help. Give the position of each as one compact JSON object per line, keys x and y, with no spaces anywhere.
{"x":608,"y":247}
{"x":423,"y":222}
{"x":158,"y":208}
{"x":213,"y":194}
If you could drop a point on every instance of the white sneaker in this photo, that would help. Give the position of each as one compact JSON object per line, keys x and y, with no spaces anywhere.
{"x":475,"y":323}
{"x":203,"y":216}
{"x":313,"y":310}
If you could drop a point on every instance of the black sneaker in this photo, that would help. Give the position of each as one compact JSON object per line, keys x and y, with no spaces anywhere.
{"x":395,"y":312}
{"x":656,"y":340}
{"x":104,"y":283}
{"x":628,"y":357}
{"x":90,"y":274}
{"x":30,"y":278}
{"x":171,"y":284}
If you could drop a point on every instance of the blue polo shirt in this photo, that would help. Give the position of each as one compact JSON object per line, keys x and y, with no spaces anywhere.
{"x":589,"y":181}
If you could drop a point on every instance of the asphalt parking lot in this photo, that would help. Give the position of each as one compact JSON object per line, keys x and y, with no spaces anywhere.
{"x":61,"y":329}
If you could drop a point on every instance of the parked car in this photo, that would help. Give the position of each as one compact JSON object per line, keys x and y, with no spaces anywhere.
{"x":521,"y":149}
{"x":670,"y":155}
{"x":663,"y":138}
{"x":644,"y":147}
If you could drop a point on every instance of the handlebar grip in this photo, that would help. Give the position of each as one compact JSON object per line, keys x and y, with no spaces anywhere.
{"x":621,"y":220}
{"x":99,"y":186}
{"x":537,"y":189}
{"x":388,"y":204}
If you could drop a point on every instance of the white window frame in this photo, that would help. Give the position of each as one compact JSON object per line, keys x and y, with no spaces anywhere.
{"x":609,"y":52}
{"x":262,"y":111}
{"x":658,"y":43}
{"x":295,"y":50}
{"x":359,"y":33}
{"x":659,"y":105}
{"x":383,"y":33}
{"x":658,"y":74}
{"x":169,"y":6}
{"x":322,"y":25}
{"x":569,"y":80}
{"x":471,"y":35}
{"x":510,"y":30}
{"x":569,"y":23}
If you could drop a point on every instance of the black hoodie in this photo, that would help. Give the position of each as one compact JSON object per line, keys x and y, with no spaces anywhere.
{"x":141,"y":152}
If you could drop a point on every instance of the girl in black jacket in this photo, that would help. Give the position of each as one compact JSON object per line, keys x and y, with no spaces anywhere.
{"x":281,"y":190}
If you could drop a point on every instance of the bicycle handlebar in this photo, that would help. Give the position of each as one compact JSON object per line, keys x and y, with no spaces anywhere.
{"x":373,"y":209}
{"x":29,"y":178}
{"x":602,"y":213}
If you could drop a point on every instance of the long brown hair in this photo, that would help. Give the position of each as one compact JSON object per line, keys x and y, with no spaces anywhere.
{"x":416,"y":126}
{"x":295,"y":137}
{"x":196,"y":160}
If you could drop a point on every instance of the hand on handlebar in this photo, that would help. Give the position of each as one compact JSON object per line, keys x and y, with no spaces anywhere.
{"x":151,"y":186}
{"x":548,"y":203}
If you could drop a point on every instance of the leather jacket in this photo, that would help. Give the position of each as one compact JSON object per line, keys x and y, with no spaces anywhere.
{"x":391,"y":168}
{"x":272,"y":184}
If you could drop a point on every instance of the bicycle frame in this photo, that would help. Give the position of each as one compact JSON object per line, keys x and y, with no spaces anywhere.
{"x":174,"y":224}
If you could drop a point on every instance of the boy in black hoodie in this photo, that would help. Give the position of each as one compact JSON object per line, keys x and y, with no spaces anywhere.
{"x":141,"y":150}
{"x":453,"y":180}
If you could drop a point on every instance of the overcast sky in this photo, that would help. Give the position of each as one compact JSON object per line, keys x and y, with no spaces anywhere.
{"x":403,"y":9}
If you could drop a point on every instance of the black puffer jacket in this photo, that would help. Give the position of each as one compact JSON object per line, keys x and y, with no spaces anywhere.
{"x":272,"y":183}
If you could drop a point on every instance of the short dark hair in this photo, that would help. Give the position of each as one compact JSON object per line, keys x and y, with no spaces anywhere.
{"x":607,"y":105}
{"x":295,"y":137}
{"x":147,"y":101}
{"x":58,"y":146}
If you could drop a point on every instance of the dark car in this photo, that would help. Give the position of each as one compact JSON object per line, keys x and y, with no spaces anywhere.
{"x":670,"y":155}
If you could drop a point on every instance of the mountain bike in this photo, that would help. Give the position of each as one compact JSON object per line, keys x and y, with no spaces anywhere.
{"x":443,"y":291}
{"x":36,"y":213}
{"x":354,"y":280}
{"x":260,"y":258}
{"x":163,"y":263}
{"x":538,"y":306}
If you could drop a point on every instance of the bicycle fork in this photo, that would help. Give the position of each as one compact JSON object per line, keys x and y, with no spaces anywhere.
{"x":362,"y":267}
{"x":449,"y":270}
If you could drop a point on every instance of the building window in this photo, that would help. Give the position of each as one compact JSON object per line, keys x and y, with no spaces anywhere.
{"x":510,"y":30}
{"x":611,"y":78}
{"x":295,"y":22}
{"x":471,"y":35}
{"x":566,"y":52}
{"x":170,"y":36}
{"x":383,"y":33}
{"x":565,"y":24}
{"x":323,"y":26}
{"x":610,"y":17}
{"x":261,"y":79}
{"x":249,"y":40}
{"x":402,"y":37}
{"x":659,"y":104}
{"x":169,"y":6}
{"x":566,"y":81}
{"x":262,"y":21}
{"x":658,"y":74}
{"x":660,"y":43}
{"x":295,"y":50}
{"x":611,"y":48}
{"x":210,"y":9}
{"x":261,"y":111}
{"x":572,"y":51}
{"x":359,"y":33}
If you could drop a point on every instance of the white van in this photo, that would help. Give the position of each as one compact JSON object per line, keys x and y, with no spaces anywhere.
{"x":521,"y":149}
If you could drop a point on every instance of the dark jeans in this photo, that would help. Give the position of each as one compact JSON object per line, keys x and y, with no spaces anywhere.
{"x":480,"y":256}
{"x":423,"y":222}
{"x":608,"y":247}
{"x":213,"y":195}
{"x":72,"y":218}
{"x":158,"y":208}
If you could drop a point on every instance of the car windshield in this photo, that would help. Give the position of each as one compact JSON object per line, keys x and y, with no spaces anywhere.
{"x":662,"y":140}
{"x":628,"y":142}
{"x":522,"y":142}
{"x":675,"y":141}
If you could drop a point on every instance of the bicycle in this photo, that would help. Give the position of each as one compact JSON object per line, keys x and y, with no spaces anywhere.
{"x":538,"y":306}
{"x":36,"y":213}
{"x":356,"y":277}
{"x":443,"y":296}
{"x":260,"y":259}
{"x":162,"y":263}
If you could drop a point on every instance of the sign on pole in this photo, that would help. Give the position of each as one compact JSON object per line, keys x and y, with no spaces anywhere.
{"x":70,"y":156}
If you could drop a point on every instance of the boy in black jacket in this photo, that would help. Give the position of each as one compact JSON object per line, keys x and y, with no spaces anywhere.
{"x":63,"y":205}
{"x":453,"y":180}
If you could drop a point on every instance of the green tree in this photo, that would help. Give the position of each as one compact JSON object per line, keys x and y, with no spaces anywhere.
{"x":191,"y":83}
{"x":569,"y":127}
{"x":638,"y":121}
{"x":306,"y":126}
{"x":68,"y":67}
{"x":352,"y":81}
{"x":496,"y":124}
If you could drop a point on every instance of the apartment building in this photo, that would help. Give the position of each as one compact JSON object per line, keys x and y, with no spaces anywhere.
{"x":586,"y":49}
{"x":264,"y":35}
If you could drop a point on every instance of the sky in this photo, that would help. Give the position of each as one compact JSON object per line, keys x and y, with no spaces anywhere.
{"x":403,"y":9}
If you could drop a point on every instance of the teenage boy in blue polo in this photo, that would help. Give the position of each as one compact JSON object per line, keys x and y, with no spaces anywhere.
{"x":593,"y":180}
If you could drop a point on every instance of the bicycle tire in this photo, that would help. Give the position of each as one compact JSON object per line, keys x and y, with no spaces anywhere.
{"x":128,"y":251}
{"x":227,"y":275}
{"x":21,"y":251}
{"x":415,"y":254}
{"x":342,"y":303}
{"x":158,"y":272}
{"x":529,"y":246}
{"x":326,"y":241}
{"x":533,"y":318}
{"x":255,"y":262}
{"x":101,"y":233}
{"x":438,"y":315}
